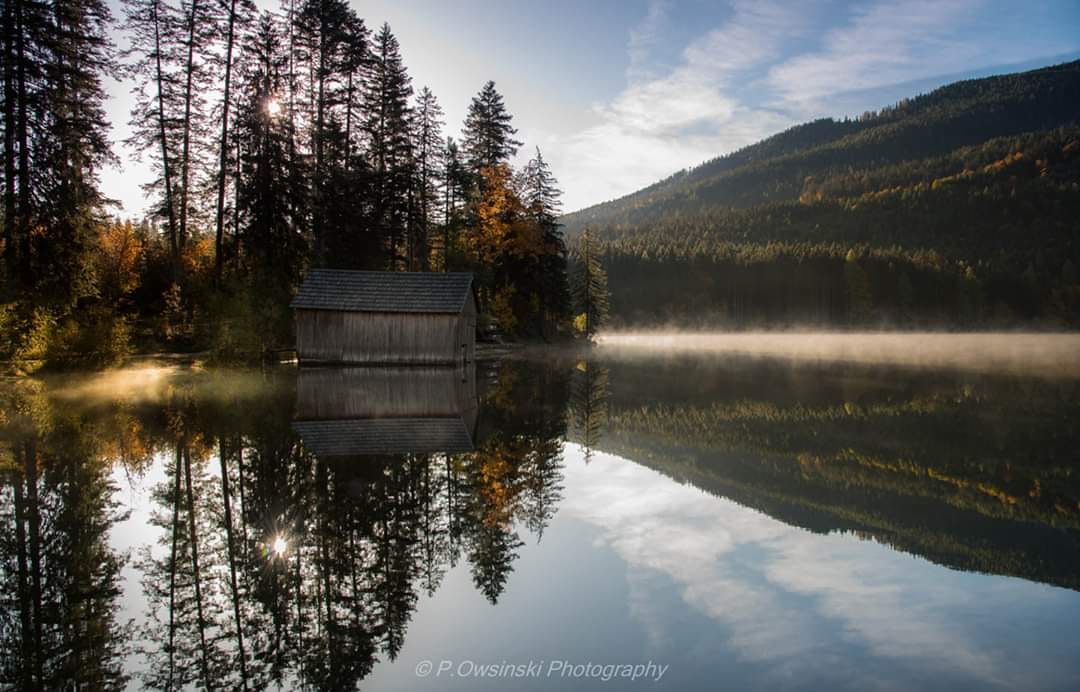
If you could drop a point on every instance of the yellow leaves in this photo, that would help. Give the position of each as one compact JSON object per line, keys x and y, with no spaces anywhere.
{"x":503,"y":227}
{"x":502,"y":308}
{"x":197,"y":256}
{"x":120,"y":252}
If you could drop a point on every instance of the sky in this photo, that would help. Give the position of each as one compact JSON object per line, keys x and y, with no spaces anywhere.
{"x":618,"y":94}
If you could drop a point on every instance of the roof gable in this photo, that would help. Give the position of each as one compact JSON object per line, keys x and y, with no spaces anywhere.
{"x":367,"y":291}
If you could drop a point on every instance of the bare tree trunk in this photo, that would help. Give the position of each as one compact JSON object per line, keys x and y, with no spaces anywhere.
{"x":174,"y":246}
{"x":185,"y":156}
{"x":219,"y":238}
{"x":9,"y":138}
{"x":23,"y":214}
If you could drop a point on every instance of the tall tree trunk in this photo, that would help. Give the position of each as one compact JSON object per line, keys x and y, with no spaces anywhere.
{"x":185,"y":156}
{"x":220,"y":230}
{"x":23,"y":135}
{"x":166,"y":168}
{"x":9,"y":138}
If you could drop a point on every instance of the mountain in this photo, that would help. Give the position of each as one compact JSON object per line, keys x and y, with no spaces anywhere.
{"x":956,"y":207}
{"x":798,"y":161}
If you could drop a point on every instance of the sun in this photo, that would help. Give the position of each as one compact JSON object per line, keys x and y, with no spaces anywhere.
{"x":279,"y":546}
{"x":273,"y":107}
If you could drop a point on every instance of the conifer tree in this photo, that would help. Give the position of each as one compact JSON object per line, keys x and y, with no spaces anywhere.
{"x":428,"y":148}
{"x":488,"y":137}
{"x":542,"y":199}
{"x":589,"y":287}
{"x":388,"y":126}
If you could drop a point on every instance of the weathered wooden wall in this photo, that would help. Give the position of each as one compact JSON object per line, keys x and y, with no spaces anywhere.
{"x":466,"y":330}
{"x":332,"y":336}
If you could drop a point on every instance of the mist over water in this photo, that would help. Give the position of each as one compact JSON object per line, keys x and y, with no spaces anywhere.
{"x":1050,"y":355}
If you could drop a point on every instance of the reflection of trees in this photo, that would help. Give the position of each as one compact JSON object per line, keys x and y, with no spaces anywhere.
{"x":60,"y":579}
{"x":589,"y":403}
{"x":224,"y":607}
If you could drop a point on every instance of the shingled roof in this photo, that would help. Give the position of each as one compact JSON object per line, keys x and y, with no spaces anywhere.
{"x":364,"y":291}
{"x":360,"y":436}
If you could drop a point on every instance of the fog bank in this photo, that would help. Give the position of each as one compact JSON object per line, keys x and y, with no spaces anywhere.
{"x":1021,"y":353}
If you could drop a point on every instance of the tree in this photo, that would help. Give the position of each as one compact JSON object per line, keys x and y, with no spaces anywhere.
{"x":272,"y":185}
{"x":237,"y":16}
{"x":428,"y":147}
{"x":589,"y":287}
{"x":541,"y":196}
{"x":488,"y":137}
{"x":388,"y":126}
{"x":455,"y":185}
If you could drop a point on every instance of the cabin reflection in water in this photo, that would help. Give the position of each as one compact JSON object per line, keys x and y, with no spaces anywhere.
{"x":363,"y":411}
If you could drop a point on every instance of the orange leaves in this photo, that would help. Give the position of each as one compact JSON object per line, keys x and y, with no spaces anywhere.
{"x":120,"y":252}
{"x":503,"y":228}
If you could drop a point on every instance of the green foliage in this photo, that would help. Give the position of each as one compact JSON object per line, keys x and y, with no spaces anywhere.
{"x":589,"y":286}
{"x":93,"y":339}
{"x":961,"y":204}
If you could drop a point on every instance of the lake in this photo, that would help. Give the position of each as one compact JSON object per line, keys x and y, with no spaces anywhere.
{"x":656,"y":514}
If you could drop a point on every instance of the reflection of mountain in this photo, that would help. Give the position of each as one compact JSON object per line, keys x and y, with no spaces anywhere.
{"x":970,"y":474}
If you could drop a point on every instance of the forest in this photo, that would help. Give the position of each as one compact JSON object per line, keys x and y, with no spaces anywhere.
{"x":278,"y":141}
{"x":954,"y":209}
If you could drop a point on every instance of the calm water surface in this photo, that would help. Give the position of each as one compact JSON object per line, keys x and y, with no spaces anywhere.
{"x":719,"y":521}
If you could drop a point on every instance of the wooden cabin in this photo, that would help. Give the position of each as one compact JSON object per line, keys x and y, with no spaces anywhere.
{"x":385,"y":317}
{"x":342,"y":413}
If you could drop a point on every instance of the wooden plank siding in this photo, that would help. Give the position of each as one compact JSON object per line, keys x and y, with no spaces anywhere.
{"x":335,"y":336}
{"x":385,"y":318}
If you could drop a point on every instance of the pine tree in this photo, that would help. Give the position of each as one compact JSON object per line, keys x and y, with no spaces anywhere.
{"x":428,"y":147}
{"x":543,"y":204}
{"x":388,"y":126}
{"x":325,"y":33}
{"x":589,"y":287}
{"x":488,"y":137}
{"x":455,"y":190}
{"x":271,"y":190}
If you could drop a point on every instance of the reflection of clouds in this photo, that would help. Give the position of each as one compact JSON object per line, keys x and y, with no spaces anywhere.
{"x":788,"y":595}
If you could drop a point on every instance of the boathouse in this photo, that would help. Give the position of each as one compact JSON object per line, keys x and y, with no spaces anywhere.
{"x":370,"y":317}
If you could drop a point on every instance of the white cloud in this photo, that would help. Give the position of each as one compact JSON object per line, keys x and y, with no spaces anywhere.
{"x":661,"y":124}
{"x":787,"y":597}
{"x":883,"y":44}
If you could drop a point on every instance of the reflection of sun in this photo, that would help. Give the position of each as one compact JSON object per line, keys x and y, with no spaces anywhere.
{"x":273,"y":107}
{"x":279,"y":546}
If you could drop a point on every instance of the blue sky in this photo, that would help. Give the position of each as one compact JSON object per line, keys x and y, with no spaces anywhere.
{"x":620,"y":93}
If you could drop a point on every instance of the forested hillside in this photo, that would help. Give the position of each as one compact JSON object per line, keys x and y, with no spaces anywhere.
{"x":957,"y":207}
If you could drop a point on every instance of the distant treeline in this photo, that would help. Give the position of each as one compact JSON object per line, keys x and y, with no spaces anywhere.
{"x":959,"y":207}
{"x":277,"y":141}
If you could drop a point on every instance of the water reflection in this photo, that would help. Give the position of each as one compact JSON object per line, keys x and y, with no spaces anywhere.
{"x":297,"y":524}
